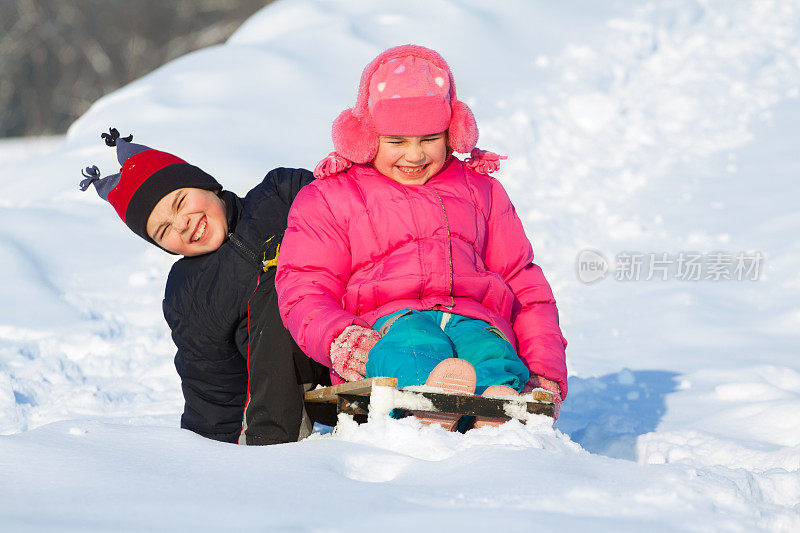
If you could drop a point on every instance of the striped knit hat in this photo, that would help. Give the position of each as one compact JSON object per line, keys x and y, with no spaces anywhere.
{"x":146,"y":176}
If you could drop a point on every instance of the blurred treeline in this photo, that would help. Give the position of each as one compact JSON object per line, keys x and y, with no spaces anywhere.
{"x":58,"y":56}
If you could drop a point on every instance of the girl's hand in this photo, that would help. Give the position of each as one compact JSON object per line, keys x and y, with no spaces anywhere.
{"x":350,"y":351}
{"x":539,"y":382}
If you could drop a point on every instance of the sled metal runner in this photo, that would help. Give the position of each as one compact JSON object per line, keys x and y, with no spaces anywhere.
{"x":353,"y":398}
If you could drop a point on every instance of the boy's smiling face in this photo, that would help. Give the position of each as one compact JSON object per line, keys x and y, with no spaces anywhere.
{"x":411,"y":160}
{"x":189,"y":222}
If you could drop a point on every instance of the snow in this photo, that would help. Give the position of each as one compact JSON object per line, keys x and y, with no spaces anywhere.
{"x":661,"y":128}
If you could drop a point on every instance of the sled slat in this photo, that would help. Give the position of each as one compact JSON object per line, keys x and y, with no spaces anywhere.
{"x":475,"y":405}
{"x":364,"y":386}
{"x":541,"y":395}
{"x":452,"y":404}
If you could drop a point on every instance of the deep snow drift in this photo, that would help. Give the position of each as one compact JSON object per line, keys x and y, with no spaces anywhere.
{"x":633,"y":132}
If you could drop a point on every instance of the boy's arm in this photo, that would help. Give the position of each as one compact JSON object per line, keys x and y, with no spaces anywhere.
{"x":212,"y":371}
{"x":313,"y":271}
{"x":288,"y":181}
{"x":535,"y":320}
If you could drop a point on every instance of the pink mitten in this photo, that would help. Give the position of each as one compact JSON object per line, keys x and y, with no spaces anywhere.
{"x":350,"y":351}
{"x":539,"y":382}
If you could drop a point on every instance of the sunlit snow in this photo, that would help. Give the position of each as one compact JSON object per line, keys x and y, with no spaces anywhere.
{"x":655,"y":131}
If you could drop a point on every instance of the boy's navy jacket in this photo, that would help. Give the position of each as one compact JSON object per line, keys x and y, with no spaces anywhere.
{"x":240,"y":369}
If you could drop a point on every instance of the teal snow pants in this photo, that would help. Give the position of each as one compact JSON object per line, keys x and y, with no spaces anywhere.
{"x":414,"y":342}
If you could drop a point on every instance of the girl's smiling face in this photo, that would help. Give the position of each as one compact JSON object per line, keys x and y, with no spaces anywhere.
{"x":411,"y":160}
{"x":189,"y":222}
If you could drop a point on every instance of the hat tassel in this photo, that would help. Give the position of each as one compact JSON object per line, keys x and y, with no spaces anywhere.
{"x":483,"y":161}
{"x":91,"y":174}
{"x":331,"y":165}
{"x":112,"y":136}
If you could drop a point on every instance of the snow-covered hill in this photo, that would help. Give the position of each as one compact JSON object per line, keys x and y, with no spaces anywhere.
{"x":633,"y":131}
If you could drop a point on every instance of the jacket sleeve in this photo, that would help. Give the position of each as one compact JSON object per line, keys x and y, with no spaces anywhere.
{"x":313,"y":270}
{"x":288,"y":181}
{"x":535,"y":318}
{"x":211,"y":368}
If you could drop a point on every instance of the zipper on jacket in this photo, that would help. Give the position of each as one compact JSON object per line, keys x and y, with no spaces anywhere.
{"x":449,"y":242}
{"x":244,"y":249}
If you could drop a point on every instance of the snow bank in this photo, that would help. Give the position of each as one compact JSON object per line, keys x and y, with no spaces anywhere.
{"x":662,"y":128}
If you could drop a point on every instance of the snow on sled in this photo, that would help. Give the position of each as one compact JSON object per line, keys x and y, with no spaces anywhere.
{"x":382,"y":395}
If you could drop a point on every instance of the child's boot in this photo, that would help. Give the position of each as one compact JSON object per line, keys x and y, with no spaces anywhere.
{"x":494,"y":390}
{"x":452,"y":375}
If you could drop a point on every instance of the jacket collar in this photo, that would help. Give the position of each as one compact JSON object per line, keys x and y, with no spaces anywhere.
{"x":233,"y":209}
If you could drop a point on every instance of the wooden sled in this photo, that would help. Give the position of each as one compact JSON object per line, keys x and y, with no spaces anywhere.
{"x":353,"y":398}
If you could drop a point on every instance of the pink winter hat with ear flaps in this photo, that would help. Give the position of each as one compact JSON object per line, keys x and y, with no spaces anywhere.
{"x":406,"y":90}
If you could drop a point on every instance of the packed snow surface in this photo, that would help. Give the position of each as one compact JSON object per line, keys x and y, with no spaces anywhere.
{"x":637,"y":134}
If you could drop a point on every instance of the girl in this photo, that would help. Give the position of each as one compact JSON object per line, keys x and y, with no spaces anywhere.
{"x":402,"y":260}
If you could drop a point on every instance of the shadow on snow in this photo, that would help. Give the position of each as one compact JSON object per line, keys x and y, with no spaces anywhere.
{"x":605,"y":415}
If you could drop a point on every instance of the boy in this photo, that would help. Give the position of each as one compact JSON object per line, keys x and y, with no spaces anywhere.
{"x":242,"y":375}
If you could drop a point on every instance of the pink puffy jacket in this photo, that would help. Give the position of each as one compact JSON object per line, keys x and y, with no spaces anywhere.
{"x":360,"y":246}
